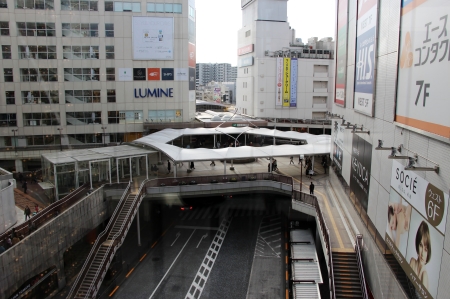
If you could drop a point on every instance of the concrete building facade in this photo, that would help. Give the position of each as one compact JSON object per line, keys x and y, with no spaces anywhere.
{"x":218,"y":72}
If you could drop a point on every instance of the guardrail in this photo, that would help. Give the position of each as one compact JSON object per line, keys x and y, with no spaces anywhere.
{"x":312,"y":200}
{"x":362,"y":278}
{"x":100,"y":239}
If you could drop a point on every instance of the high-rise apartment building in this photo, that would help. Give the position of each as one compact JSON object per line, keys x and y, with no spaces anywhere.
{"x":91,"y":72}
{"x":218,"y":72}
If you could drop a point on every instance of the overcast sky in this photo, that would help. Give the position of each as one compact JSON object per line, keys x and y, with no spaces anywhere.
{"x":218,"y":22}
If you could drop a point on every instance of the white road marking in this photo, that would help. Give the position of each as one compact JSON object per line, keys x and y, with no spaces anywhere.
{"x":196,"y":227}
{"x":204,"y":236}
{"x":177,"y":236}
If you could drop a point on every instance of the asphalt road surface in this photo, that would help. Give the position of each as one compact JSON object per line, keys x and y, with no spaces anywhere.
{"x":232,"y":249}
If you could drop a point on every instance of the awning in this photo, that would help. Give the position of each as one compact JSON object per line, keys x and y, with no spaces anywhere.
{"x":46,"y":185}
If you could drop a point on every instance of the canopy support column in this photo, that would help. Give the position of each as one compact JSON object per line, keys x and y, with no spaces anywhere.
{"x":117,"y":169}
{"x":77,"y":182}
{"x":270,"y":168}
{"x":138,"y":227}
{"x":138,"y":169}
{"x":245,"y":139}
{"x":121,"y":165}
{"x":174,"y":170}
{"x":224,"y":167}
{"x":160,"y":161}
{"x":312,"y":164}
{"x":231,"y":167}
{"x":90,"y":173}
{"x":109,"y":172}
{"x":146,"y":165}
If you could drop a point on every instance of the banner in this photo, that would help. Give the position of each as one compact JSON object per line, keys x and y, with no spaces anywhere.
{"x":192,"y":55}
{"x":125,"y":74}
{"x":415,"y":228}
{"x":365,"y":56}
{"x":294,"y":75}
{"x":181,"y":74}
{"x":286,"y":81}
{"x":246,"y":49}
{"x":152,"y":38}
{"x":360,"y":170}
{"x":192,"y":78}
{"x":338,"y":157}
{"x":424,"y":66}
{"x":279,"y":82}
{"x":341,"y":55}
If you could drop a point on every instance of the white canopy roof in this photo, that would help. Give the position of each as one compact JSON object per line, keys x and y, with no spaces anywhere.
{"x":316,"y":144}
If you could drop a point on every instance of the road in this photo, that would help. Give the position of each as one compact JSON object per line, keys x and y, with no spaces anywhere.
{"x":232,"y":249}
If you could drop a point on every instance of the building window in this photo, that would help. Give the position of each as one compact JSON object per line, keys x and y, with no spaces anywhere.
{"x":167,"y":7}
{"x":4,"y":28}
{"x":36,"y":29}
{"x":110,"y":74}
{"x":83,"y":118}
{"x":8,"y":120}
{"x":8,"y":75}
{"x":3,"y":4}
{"x":10,"y":98}
{"x":80,"y":52}
{"x":125,"y":117}
{"x":37,"y":75}
{"x":122,"y":6}
{"x":192,"y":12}
{"x":40,"y":97}
{"x":43,"y":140}
{"x":109,"y":30}
{"x":248,"y":33}
{"x":35,"y":4}
{"x":165,"y":116}
{"x":84,"y":5}
{"x":109,"y":52}
{"x":82,"y":96}
{"x":41,"y":119}
{"x":6,"y":52}
{"x":244,"y":84}
{"x":37,"y":52}
{"x":111,"y":95}
{"x":86,"y":74}
{"x":79,"y":30}
{"x":85,"y":138}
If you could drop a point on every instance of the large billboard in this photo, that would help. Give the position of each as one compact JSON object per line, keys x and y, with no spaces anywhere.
{"x":341,"y":55}
{"x":365,"y":56}
{"x":279,"y":83}
{"x":286,"y":81}
{"x":294,"y":77}
{"x":360,"y":170}
{"x":415,"y":229}
{"x":153,"y":38}
{"x":424,"y":66}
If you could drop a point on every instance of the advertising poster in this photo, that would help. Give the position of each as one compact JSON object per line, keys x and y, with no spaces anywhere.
{"x":125,"y":74}
{"x":139,"y":74}
{"x":192,"y":54}
{"x":422,"y":85}
{"x":216,"y":96}
{"x":286,"y":81}
{"x":152,"y":38}
{"x":245,"y":50}
{"x":191,"y":78}
{"x":337,"y":157}
{"x":415,"y":229}
{"x":360,"y":170}
{"x":365,"y":56}
{"x":279,"y":82}
{"x":167,"y":74}
{"x":154,"y":74}
{"x":341,"y":55}
{"x":181,"y":74}
{"x":294,"y":75}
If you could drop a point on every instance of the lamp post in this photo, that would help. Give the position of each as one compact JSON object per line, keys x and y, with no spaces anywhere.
{"x":60,"y":137}
{"x":104,"y":128}
{"x":15,"y":141}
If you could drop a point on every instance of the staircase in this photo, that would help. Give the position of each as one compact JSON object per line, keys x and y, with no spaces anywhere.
{"x":346,"y":276}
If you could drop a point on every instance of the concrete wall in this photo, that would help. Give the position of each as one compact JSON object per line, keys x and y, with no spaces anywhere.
{"x":8,"y":215}
{"x":46,"y":246}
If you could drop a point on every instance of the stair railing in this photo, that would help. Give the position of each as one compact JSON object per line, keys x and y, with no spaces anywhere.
{"x":362,"y":278}
{"x":100,"y":239}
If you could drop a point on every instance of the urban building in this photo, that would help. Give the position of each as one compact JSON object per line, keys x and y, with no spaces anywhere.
{"x":81,"y":74}
{"x":279,"y":76}
{"x":217,"y":92}
{"x":391,"y":132}
{"x":218,"y":72}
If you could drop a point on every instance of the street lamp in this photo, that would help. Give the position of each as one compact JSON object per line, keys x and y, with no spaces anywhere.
{"x":60,"y":137}
{"x":15,"y":141}
{"x":104,"y":128}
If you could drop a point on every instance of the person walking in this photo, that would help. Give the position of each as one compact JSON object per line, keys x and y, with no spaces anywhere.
{"x":36,"y":209}
{"x":168,"y":166}
{"x":27,"y":213}
{"x":25,"y":186}
{"x":292,"y":161}
{"x":311,"y":188}
{"x":192,"y":165}
{"x":212,"y":163}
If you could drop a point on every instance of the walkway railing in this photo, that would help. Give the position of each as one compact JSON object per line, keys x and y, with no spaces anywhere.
{"x":312,"y":200}
{"x":100,"y":239}
{"x":362,"y":278}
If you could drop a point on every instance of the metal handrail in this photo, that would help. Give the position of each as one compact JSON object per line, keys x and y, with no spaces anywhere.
{"x":100,"y":239}
{"x":362,"y":278}
{"x":312,"y":200}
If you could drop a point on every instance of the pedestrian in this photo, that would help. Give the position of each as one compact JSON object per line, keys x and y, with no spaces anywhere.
{"x":325,"y":166}
{"x":218,"y":144}
{"x":27,"y":213}
{"x":2,"y":249}
{"x":268,"y":167}
{"x":311,"y":188}
{"x":36,"y":209}
{"x":25,"y":186}
{"x":212,"y":163}
{"x":275,"y":165}
{"x":192,"y":165}
{"x":8,"y":242}
{"x":300,"y":160}
{"x":168,"y":166}
{"x":292,"y":161}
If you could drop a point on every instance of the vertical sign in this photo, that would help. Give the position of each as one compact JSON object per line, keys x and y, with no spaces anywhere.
{"x":415,"y":228}
{"x":294,"y":75}
{"x":286,"y":81}
{"x":424,"y":66}
{"x":365,"y":56}
{"x":341,"y":55}
{"x":360,"y":170}
{"x":279,"y":80}
{"x":338,"y":153}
